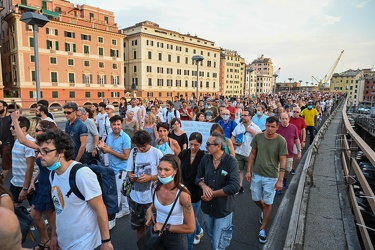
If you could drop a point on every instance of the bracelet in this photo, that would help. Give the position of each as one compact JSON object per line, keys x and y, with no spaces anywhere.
{"x":282,"y":169}
{"x":107,"y":240}
{"x":167,"y":227}
{"x":25,"y":189}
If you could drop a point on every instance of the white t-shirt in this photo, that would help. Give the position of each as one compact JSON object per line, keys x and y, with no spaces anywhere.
{"x":135,"y":111}
{"x":145,"y":163}
{"x":100,"y":119}
{"x":76,"y":222}
{"x":245,"y":148}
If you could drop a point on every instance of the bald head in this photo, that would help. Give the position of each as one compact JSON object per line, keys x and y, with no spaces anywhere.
{"x":10,"y":232}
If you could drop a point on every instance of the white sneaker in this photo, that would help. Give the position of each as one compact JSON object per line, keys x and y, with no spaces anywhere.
{"x":197,"y":238}
{"x":122,"y":213}
{"x":111,"y":224}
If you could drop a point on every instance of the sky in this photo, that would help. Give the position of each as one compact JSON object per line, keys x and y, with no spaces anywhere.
{"x":302,"y":37}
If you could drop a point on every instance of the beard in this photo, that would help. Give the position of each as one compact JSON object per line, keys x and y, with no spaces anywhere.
{"x":38,"y":115}
{"x":2,"y":111}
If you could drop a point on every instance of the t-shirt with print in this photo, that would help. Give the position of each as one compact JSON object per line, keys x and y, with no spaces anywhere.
{"x":145,"y":163}
{"x":76,"y":221}
{"x":210,"y":113}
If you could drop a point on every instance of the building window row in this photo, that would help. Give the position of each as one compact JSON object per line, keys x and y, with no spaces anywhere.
{"x":86,"y":78}
{"x":178,"y":83}
{"x":72,"y":94}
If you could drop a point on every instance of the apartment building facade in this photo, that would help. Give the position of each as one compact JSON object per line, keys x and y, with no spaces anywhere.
{"x":80,"y":54}
{"x":351,"y":82}
{"x":158,"y":63}
{"x":263,"y":68}
{"x":233,"y":75}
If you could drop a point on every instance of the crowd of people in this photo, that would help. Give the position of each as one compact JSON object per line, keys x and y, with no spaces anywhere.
{"x":259,"y":140}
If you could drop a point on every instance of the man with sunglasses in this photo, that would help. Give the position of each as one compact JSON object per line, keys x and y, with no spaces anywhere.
{"x":76,"y":129}
{"x":23,"y":159}
{"x":218,"y":177}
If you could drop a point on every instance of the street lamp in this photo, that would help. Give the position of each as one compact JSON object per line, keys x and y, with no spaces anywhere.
{"x":290,"y":80}
{"x":197,"y":59}
{"x":36,"y":20}
{"x":249,"y":70}
{"x":274,"y":87}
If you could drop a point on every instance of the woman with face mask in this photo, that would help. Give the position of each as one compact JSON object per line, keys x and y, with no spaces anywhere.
{"x":168,"y":188}
{"x":40,"y":184}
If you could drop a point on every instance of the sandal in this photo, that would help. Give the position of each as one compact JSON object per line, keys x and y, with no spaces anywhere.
{"x":44,"y":245}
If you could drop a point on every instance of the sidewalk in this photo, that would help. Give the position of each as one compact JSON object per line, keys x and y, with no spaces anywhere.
{"x":329,"y":221}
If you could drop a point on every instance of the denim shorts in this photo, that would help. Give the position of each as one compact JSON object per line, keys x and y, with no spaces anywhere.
{"x":137,"y":214}
{"x":263,"y":188}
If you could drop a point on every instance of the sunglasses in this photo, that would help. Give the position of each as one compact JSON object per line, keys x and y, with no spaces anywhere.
{"x":67,"y":112}
{"x":295,"y":111}
{"x":209,"y":144}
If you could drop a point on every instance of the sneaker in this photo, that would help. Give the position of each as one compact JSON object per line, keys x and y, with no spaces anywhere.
{"x":285,"y":184}
{"x":292,"y":172}
{"x":261,"y":218}
{"x":197,"y":238}
{"x":111,"y":224}
{"x":241,"y":190}
{"x":262,"y":236}
{"x":122,"y":213}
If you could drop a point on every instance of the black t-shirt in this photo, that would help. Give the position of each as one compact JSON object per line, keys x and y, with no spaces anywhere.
{"x":181,"y":139}
{"x":6,"y":136}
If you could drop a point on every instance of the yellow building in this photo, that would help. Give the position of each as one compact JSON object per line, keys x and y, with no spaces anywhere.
{"x":351,"y":82}
{"x":80,"y":54}
{"x":158,"y":62}
{"x":233,"y":73}
{"x":263,"y":68}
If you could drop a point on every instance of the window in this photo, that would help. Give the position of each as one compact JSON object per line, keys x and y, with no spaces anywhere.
{"x":85,"y":37}
{"x":31,"y":41}
{"x":114,"y":66}
{"x":149,"y":69}
{"x":114,"y":42}
{"x":101,"y":51}
{"x":86,"y":49}
{"x":87,"y":94}
{"x":70,"y":47}
{"x":53,"y":76}
{"x":207,"y":84}
{"x":149,"y":81}
{"x":169,"y":71}
{"x":53,"y":60}
{"x":186,"y":83}
{"x":106,"y":19}
{"x":33,"y":77}
{"x":178,"y":83}
{"x":160,"y":82}
{"x":113,"y":52}
{"x":150,"y":94}
{"x":100,"y":40}
{"x":160,"y":57}
{"x":72,"y":94}
{"x":33,"y":94}
{"x":52,"y":45}
{"x":87,"y":78}
{"x":186,"y":60}
{"x":86,"y":63}
{"x":169,"y":58}
{"x":101,"y":94}
{"x":134,"y":54}
{"x":134,"y":42}
{"x":115,"y":94}
{"x":69,"y":34}
{"x":135,"y":69}
{"x":149,"y":55}
{"x":160,"y":70}
{"x":55,"y":94}
{"x":115,"y":80}
{"x":91,"y":15}
{"x":178,"y":59}
{"x":101,"y":64}
{"x":169,"y":82}
{"x":178,"y":71}
{"x":71,"y":78}
{"x":32,"y":58}
{"x":102,"y":79}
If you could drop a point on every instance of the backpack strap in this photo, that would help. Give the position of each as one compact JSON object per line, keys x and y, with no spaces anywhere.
{"x":72,"y":182}
{"x":135,"y":151}
{"x":175,"y":113}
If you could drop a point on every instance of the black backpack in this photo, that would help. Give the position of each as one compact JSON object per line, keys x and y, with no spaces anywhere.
{"x":107,"y":181}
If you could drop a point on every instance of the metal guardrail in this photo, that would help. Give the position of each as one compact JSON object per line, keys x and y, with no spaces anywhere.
{"x":296,"y":228}
{"x":367,"y":123}
{"x":351,"y":143}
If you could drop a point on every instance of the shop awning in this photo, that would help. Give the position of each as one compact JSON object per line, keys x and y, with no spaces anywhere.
{"x":50,"y":13}
{"x":28,"y":7}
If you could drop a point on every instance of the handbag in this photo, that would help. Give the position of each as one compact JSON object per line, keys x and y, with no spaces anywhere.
{"x":150,"y":240}
{"x":127,"y":186}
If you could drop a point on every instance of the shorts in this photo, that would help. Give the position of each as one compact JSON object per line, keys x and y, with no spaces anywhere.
{"x":289,"y":164}
{"x":242,"y":161}
{"x":263,"y":188}
{"x":15,"y":191}
{"x":295,"y":150}
{"x":6,"y":156}
{"x":137,"y":214}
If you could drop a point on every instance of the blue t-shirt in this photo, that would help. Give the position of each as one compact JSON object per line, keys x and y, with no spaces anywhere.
{"x":119,"y":144}
{"x":227,"y":127}
{"x":76,"y":130}
{"x":260,"y":122}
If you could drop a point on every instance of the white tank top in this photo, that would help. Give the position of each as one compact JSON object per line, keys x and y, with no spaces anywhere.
{"x":162,"y":212}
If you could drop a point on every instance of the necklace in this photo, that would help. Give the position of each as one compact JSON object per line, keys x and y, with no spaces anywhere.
{"x":217,"y":160}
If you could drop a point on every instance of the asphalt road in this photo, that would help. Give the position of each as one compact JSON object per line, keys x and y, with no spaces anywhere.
{"x":245,"y":221}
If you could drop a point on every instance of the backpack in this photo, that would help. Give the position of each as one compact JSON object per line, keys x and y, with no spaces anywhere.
{"x":107,"y":181}
{"x":175,"y":114}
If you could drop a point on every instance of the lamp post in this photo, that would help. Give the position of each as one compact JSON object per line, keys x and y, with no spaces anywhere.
{"x":290,"y":80}
{"x":249,"y":70}
{"x":197,"y":59}
{"x":274,"y":87}
{"x":36,"y":20}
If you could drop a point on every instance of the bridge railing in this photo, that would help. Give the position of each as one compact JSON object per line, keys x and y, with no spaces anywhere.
{"x":351,"y":143}
{"x":367,"y":123}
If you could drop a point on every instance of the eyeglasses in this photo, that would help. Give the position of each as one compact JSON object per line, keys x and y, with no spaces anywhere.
{"x":68,"y":112}
{"x":38,"y":130}
{"x":209,"y":144}
{"x":44,"y":151}
{"x":295,"y":111}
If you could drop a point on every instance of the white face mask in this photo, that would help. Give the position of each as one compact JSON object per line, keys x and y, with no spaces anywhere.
{"x":225,"y":117}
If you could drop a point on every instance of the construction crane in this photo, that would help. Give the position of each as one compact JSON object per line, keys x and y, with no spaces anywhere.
{"x":328,"y":76}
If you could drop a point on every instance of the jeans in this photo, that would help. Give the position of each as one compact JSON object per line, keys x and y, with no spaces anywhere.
{"x":190,"y":237}
{"x":311,"y":131}
{"x":171,"y":241}
{"x":219,"y":230}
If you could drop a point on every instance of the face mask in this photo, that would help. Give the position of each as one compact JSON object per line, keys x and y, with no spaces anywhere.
{"x":309,"y":107}
{"x":55,"y":165}
{"x":225,"y":117}
{"x":259,"y":113}
{"x":165,"y":180}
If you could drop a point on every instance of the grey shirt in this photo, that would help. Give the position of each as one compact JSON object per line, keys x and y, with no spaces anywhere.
{"x":92,"y":131}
